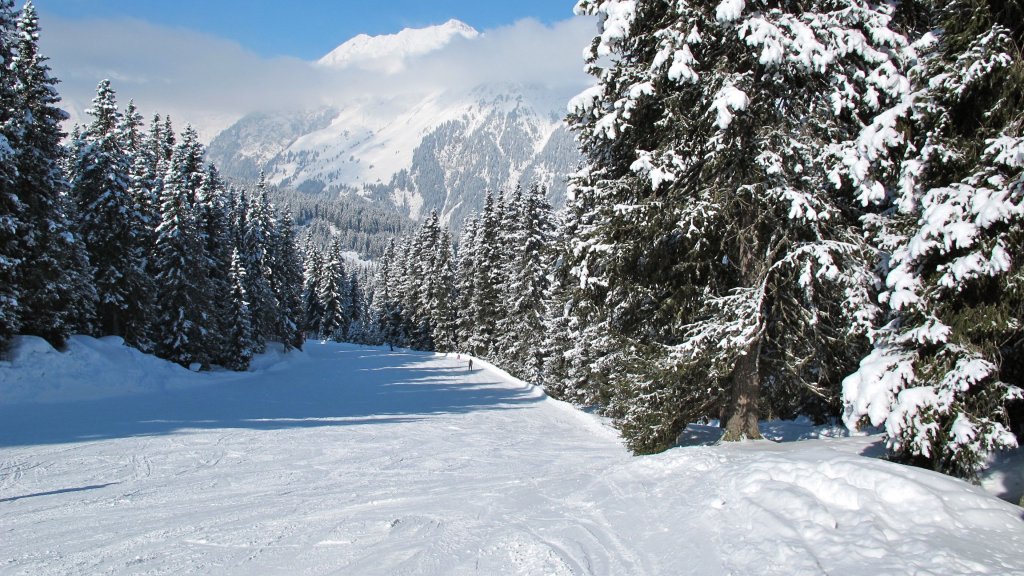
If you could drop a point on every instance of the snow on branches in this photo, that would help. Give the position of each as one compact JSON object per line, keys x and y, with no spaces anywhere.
{"x":942,"y":371}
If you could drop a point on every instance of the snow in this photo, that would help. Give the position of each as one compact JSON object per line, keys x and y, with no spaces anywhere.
{"x":680,"y":70}
{"x":617,"y":19}
{"x":1006,"y":151}
{"x":728,"y":100}
{"x":36,"y":372}
{"x":729,"y":10}
{"x":390,"y":52}
{"x":354,"y":460}
{"x":645,"y":164}
{"x":371,"y":139}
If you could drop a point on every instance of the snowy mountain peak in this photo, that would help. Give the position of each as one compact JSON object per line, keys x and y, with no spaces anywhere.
{"x":390,"y":51}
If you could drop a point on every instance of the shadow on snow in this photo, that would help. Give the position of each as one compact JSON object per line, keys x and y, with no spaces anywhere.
{"x":62,"y":491}
{"x":337,"y":386}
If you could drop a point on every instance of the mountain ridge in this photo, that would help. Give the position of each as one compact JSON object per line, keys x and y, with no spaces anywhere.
{"x":392,"y":50}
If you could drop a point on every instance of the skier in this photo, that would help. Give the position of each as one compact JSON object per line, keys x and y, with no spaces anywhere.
{"x":470,"y":364}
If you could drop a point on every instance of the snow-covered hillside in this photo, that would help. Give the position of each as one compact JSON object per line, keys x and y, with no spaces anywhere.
{"x":414,"y":145}
{"x":351,"y":460}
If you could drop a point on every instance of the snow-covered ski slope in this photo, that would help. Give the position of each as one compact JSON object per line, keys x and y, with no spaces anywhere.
{"x":349,"y":460}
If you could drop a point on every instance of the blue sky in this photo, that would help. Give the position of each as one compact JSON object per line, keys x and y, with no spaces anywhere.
{"x":306,"y":29}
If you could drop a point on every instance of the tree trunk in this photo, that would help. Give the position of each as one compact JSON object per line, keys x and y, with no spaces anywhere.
{"x":741,"y":414}
{"x":110,"y":321}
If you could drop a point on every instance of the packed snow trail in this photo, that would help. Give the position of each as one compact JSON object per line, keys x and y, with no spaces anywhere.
{"x":349,"y":460}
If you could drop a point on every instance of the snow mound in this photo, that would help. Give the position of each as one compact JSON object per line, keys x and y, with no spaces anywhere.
{"x":815,"y":507}
{"x":94,"y":368}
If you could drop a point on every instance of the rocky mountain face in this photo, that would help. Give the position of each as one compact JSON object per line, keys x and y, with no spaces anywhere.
{"x":416,"y":150}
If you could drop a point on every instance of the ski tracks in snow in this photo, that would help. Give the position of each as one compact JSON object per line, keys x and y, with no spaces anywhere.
{"x":353,"y":461}
{"x":361,"y":461}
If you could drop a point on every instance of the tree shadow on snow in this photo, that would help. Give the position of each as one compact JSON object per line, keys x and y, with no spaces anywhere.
{"x":365,"y":389}
{"x":699,"y":435}
{"x":62,"y":491}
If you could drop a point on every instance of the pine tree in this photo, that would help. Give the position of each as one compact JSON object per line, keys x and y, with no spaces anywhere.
{"x":57,"y":297}
{"x":527,"y":282}
{"x":148,"y":167}
{"x":946,"y":165}
{"x":577,"y":347}
{"x":185,"y":318}
{"x":383,"y":306}
{"x":287,"y":283}
{"x":466,"y":283}
{"x":357,"y":310}
{"x":485,"y":305}
{"x":240,"y":345}
{"x":113,"y":230}
{"x":442,"y":302}
{"x":727,"y":271}
{"x":420,"y":286}
{"x":404,"y":289}
{"x":258,"y":236}
{"x":313,"y":312}
{"x":555,"y":375}
{"x":168,"y":142}
{"x":333,"y":296}
{"x":503,"y":273}
{"x":189,"y":158}
{"x":213,"y":223}
{"x":12,"y":209}
{"x":131,"y":131}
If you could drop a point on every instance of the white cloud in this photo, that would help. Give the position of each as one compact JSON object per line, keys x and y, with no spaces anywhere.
{"x":210,"y":82}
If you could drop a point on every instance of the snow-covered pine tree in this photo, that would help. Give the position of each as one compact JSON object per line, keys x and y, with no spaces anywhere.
{"x":239,"y":343}
{"x":132,"y":139}
{"x":557,"y":335}
{"x":236,"y":205}
{"x":421,"y":283}
{"x":287,"y":282}
{"x":567,"y":364}
{"x":12,"y":256}
{"x":948,"y":162}
{"x":398,"y":312}
{"x":443,"y":298}
{"x":189,"y":157}
{"x":508,"y":208}
{"x":113,"y":230}
{"x":381,"y":307}
{"x":184,"y":320}
{"x":466,"y":277}
{"x":57,"y":296}
{"x":148,"y":167}
{"x":168,"y":141}
{"x":374,"y":292}
{"x":213,"y":221}
{"x":485,"y":304}
{"x":313,"y":277}
{"x":721,"y":262}
{"x":530,"y":234}
{"x":258,"y":235}
{"x":577,"y":343}
{"x":357,"y":310}
{"x":333,"y":296}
